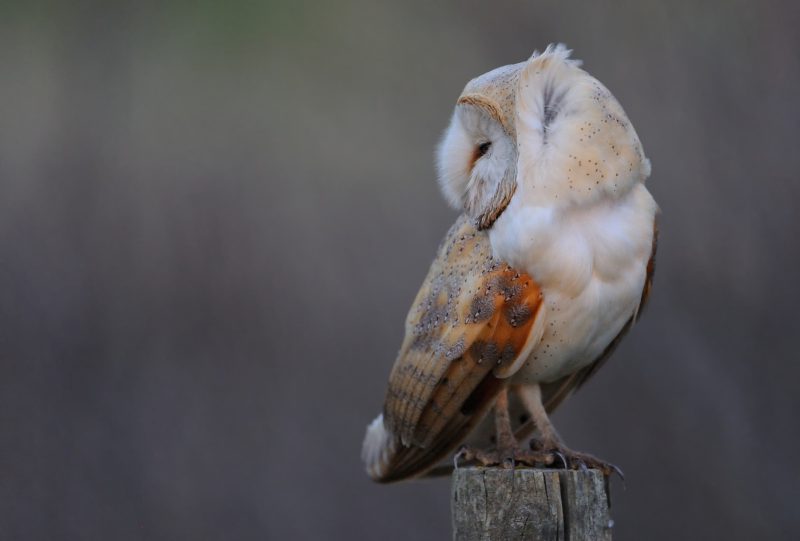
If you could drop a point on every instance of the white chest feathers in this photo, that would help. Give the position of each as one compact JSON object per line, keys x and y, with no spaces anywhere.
{"x":591,"y":263}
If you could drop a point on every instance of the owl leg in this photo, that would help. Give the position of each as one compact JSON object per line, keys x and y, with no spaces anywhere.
{"x":551,"y":441}
{"x":508,"y":451}
{"x":502,"y":423}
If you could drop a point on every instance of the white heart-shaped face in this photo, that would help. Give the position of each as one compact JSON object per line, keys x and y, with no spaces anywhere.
{"x":477,"y":163}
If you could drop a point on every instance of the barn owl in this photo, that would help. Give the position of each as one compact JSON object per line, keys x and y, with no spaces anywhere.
{"x":534,"y":285}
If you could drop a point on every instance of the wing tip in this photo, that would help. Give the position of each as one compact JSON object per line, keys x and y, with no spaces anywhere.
{"x":378,"y":448}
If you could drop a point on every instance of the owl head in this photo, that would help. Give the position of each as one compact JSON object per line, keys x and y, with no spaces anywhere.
{"x":543,"y":127}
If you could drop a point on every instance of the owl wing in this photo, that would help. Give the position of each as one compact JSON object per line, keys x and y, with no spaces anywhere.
{"x":554,"y":393}
{"x":472,"y":324}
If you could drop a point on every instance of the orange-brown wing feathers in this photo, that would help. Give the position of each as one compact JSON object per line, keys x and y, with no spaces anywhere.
{"x":473,"y":319}
{"x":500,"y":318}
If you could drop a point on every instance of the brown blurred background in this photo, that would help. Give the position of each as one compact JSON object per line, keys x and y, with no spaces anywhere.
{"x":214,"y":216}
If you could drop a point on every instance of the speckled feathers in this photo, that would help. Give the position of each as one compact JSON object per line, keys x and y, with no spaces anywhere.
{"x":541,"y":275}
{"x":576,"y":144}
{"x":472,"y":322}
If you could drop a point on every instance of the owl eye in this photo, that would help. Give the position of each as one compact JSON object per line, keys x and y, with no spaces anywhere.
{"x":479,"y":152}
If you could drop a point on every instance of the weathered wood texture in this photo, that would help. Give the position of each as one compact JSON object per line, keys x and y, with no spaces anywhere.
{"x":496,"y":504}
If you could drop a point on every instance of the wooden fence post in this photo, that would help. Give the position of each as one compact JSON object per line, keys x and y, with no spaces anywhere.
{"x":561,"y":505}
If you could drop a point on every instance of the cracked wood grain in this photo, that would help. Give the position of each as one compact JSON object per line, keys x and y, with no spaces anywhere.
{"x":497,"y":504}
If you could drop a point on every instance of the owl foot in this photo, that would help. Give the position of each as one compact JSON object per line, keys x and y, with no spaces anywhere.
{"x":506,"y":457}
{"x":575,"y":460}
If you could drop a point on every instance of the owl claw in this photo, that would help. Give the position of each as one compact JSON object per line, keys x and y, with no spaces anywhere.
{"x":583,"y":462}
{"x":507,"y":459}
{"x":618,"y":471}
{"x":536,"y":457}
{"x":562,"y":457}
{"x":460,"y":454}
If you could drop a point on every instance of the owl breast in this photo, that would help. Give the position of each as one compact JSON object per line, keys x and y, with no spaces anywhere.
{"x":591,"y":264}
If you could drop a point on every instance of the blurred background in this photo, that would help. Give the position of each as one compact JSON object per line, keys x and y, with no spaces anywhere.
{"x":214,"y":217}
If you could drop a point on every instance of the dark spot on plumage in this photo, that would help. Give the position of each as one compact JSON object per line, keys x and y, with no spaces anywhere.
{"x":484,"y":351}
{"x":508,"y":354}
{"x":482,"y":307}
{"x":508,"y":288}
{"x":517,"y":313}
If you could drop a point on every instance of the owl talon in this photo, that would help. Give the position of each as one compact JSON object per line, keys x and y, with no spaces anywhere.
{"x":583,"y":461}
{"x":618,"y":471}
{"x":463,"y":453}
{"x":562,"y":457}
